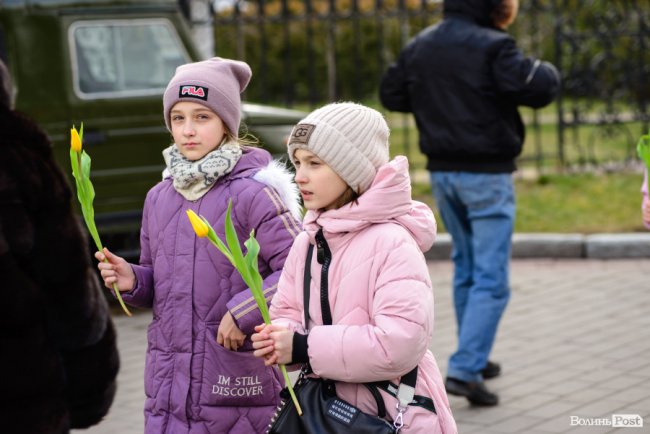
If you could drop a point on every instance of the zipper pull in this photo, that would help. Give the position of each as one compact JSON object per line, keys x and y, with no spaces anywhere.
{"x":320,"y":250}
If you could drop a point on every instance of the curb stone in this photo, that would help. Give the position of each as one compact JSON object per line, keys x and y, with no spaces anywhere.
{"x":552,"y":245}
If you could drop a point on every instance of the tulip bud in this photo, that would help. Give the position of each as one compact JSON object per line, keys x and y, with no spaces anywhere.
{"x":75,"y":140}
{"x":199,"y":225}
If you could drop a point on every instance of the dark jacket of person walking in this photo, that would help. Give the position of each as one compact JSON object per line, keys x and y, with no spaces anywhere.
{"x":463,"y":79}
{"x":59,"y":356}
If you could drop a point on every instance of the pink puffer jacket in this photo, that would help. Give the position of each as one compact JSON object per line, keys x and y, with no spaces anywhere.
{"x":380,"y":298}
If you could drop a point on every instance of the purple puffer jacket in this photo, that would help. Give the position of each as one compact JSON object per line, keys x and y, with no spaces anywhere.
{"x":192,"y":384}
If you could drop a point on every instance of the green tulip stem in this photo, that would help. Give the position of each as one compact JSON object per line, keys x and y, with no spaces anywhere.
{"x":80,"y":162}
{"x":247,"y":267}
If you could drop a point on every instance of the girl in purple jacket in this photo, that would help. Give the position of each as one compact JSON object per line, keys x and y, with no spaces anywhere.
{"x":201,"y":375}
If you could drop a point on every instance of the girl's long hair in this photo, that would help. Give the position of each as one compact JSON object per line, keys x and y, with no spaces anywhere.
{"x":348,"y":196}
{"x":246,"y":139}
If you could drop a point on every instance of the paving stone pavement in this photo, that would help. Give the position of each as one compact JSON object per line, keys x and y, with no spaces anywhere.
{"x":574,"y":341}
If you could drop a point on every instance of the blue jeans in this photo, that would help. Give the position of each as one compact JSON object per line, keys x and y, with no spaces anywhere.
{"x":478,"y":210}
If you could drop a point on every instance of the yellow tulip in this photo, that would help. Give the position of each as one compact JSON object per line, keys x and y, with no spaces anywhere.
{"x":75,"y":140}
{"x":199,"y":225}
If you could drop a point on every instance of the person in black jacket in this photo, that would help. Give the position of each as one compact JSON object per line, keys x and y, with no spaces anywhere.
{"x":463,"y":79}
{"x":59,"y":356}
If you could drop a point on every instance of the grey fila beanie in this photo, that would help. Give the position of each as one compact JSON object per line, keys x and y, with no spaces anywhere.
{"x":350,"y":138}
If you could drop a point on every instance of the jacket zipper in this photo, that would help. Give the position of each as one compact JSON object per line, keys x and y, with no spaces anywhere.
{"x":324,"y":257}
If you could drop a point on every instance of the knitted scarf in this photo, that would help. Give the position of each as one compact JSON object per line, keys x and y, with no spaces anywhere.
{"x":192,"y":179}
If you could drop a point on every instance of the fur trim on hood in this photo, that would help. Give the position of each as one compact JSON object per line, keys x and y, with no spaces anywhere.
{"x":277,"y":176}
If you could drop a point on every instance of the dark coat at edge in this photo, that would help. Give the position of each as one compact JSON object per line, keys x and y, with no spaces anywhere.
{"x":59,"y":357}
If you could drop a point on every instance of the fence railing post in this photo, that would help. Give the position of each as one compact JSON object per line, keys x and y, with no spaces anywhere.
{"x":286,"y":31}
{"x":560,"y":106}
{"x":311,"y":74}
{"x":331,"y":52}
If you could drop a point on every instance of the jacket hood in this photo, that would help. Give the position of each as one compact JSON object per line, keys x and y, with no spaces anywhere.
{"x":479,"y":11}
{"x":387,"y":200}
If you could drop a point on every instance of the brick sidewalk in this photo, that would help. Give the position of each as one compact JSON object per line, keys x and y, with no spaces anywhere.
{"x":575,"y":341}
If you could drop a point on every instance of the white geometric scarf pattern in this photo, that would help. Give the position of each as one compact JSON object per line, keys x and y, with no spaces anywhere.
{"x":192,"y":179}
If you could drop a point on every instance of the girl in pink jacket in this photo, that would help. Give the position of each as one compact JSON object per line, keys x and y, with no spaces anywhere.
{"x":369,"y":270}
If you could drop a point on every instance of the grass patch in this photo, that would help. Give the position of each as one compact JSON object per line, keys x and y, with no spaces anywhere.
{"x":581,"y":203}
{"x":578,"y":203}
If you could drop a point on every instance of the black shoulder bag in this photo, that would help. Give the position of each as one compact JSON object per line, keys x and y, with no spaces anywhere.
{"x":322,"y":410}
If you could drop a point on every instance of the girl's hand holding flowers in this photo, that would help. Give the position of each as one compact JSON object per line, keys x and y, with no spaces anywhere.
{"x":274,"y":343}
{"x":115,"y":271}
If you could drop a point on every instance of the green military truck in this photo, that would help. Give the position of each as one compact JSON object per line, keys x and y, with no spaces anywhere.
{"x":106,"y":64}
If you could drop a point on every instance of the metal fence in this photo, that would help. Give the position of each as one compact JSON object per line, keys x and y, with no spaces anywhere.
{"x":309,"y":52}
{"x":600,"y":47}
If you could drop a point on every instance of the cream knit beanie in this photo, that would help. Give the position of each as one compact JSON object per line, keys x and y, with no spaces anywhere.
{"x":352,"y":139}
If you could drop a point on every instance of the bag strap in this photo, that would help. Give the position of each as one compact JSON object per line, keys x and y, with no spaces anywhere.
{"x":418,"y":400}
{"x":307,"y":283}
{"x":324,"y":256}
{"x":406,"y":389}
{"x":381,"y":406}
